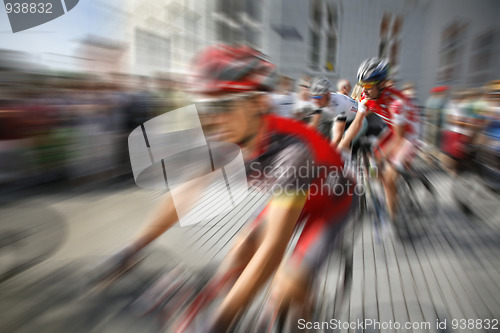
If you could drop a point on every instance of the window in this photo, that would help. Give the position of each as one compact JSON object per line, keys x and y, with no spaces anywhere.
{"x":389,"y":43}
{"x":331,"y":53}
{"x":239,"y":21}
{"x":482,"y":58}
{"x":315,"y":49}
{"x":254,"y":9}
{"x":315,"y":26}
{"x":384,"y":28}
{"x":450,"y":53}
{"x":316,"y":12}
{"x":331,"y":47}
{"x":323,"y":33}
{"x":395,"y":42}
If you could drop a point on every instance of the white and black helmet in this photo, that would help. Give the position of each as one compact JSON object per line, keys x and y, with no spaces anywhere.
{"x":373,"y":69}
{"x":320,"y":86}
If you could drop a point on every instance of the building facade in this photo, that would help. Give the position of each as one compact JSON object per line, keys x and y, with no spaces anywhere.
{"x":430,"y":43}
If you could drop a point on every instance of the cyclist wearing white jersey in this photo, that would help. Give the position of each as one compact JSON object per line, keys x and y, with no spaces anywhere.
{"x":333,"y":110}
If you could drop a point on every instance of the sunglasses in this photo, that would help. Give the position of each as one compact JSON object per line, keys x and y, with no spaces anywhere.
{"x":368,"y":85}
{"x":221,"y":105}
{"x":317,"y":96}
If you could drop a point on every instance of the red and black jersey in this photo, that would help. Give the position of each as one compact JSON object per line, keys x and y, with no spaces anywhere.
{"x":396,"y":110}
{"x":291,"y":156}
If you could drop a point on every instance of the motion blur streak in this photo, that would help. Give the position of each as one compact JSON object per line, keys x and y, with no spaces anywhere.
{"x":71,"y":93}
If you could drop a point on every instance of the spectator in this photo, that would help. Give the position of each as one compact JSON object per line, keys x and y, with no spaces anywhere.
{"x":344,"y":87}
{"x":303,"y":103}
{"x":457,"y":132}
{"x":408,"y":89}
{"x":283,"y":98}
{"x":434,"y":115}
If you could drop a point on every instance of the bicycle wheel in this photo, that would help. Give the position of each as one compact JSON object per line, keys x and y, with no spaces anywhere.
{"x":361,"y":182}
{"x":417,"y":195}
{"x":374,"y":196}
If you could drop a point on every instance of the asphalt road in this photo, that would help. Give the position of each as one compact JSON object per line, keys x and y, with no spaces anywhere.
{"x":436,"y":268}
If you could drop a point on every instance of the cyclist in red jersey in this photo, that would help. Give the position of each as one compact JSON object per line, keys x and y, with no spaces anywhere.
{"x":281,"y":154}
{"x":398,"y":141}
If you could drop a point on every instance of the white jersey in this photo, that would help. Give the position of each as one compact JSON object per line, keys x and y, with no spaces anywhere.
{"x":304,"y":107}
{"x":341,"y":108}
{"x":283,"y":104}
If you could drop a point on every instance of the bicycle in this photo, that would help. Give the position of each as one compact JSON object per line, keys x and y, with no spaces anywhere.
{"x":270,"y":318}
{"x":186,"y":301}
{"x":419,"y":196}
{"x":372,"y":198}
{"x":183,"y":299}
{"x":416,"y":194}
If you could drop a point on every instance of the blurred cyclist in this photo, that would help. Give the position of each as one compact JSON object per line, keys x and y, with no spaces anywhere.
{"x":333,"y":110}
{"x":397,"y":142}
{"x":234,"y":82}
{"x":492,"y":115}
{"x":457,"y":133}
{"x":283,"y":99}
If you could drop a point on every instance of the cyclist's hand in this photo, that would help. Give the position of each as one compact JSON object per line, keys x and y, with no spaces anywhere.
{"x":342,"y":147}
{"x":362,"y":106}
{"x":346,"y":155}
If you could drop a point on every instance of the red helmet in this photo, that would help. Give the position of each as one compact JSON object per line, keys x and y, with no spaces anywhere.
{"x":223,"y":68}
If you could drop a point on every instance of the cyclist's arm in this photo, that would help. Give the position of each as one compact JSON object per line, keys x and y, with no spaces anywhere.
{"x":283,"y":215}
{"x":346,"y":105}
{"x":397,"y":142}
{"x":165,"y":215}
{"x":352,"y":131}
{"x":338,"y":130}
{"x":315,"y":120}
{"x":298,"y":114}
{"x":399,"y":111}
{"x":164,"y":218}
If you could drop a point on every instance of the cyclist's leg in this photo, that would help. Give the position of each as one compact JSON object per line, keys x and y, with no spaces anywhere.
{"x":337,"y":131}
{"x":388,"y":172}
{"x":389,"y":176}
{"x":245,"y":246}
{"x":401,"y":159}
{"x":293,"y":281}
{"x":227,"y":273}
{"x":163,"y":218}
